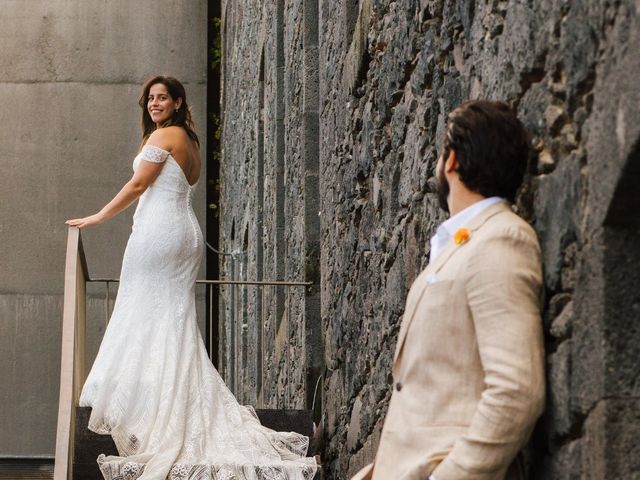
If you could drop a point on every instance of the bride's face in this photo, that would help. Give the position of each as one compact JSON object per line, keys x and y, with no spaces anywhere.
{"x":160,"y":104}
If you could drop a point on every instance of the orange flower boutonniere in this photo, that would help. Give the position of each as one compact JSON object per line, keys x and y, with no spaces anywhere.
{"x":461,"y":236}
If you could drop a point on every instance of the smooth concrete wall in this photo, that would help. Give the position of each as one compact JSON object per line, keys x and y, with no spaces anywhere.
{"x":70,"y":80}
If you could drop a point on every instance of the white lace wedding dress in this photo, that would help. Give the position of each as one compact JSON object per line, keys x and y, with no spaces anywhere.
{"x":152,"y":386}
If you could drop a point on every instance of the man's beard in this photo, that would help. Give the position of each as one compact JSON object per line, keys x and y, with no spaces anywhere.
{"x":442,"y":187}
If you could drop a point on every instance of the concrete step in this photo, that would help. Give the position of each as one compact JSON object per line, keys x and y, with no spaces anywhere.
{"x":28,"y":468}
{"x":89,"y":445}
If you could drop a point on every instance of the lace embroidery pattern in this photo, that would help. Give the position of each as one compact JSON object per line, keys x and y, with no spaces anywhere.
{"x":152,"y":386}
{"x":180,"y":471}
{"x":153,"y":154}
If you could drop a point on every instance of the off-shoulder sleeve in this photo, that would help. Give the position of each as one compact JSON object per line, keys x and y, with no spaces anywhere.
{"x":153,"y":154}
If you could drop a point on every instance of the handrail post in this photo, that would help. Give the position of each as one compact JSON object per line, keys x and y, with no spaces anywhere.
{"x":80,"y":371}
{"x":72,"y":362}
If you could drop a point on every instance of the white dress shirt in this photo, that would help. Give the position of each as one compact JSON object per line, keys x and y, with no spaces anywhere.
{"x":448,"y":228}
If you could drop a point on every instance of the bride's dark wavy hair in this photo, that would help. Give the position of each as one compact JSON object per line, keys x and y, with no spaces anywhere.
{"x":181,"y":118}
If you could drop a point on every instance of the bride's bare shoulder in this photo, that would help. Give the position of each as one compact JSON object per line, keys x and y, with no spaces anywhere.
{"x":167,"y":138}
{"x":180,"y":138}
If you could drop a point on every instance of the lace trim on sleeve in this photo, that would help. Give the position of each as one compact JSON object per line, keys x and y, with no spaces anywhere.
{"x":153,"y":154}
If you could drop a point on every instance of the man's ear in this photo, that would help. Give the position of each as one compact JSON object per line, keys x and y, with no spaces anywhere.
{"x":451,"y":164}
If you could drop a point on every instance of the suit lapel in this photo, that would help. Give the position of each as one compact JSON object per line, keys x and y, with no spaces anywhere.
{"x":420,"y":285}
{"x":436,"y":266}
{"x":473,"y":226}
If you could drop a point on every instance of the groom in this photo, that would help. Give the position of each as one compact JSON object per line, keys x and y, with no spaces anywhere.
{"x":468,"y":368}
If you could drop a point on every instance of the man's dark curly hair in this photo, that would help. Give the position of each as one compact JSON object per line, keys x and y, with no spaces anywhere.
{"x":491,"y":145}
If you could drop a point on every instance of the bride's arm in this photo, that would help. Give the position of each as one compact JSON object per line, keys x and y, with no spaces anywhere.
{"x":144,"y":176}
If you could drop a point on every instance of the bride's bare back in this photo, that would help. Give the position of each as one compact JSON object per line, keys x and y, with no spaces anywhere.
{"x":182,"y":148}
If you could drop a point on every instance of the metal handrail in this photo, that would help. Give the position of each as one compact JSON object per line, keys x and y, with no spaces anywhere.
{"x":72,"y":363}
{"x":281,"y":283}
{"x":215,"y":250}
{"x":233,"y":375}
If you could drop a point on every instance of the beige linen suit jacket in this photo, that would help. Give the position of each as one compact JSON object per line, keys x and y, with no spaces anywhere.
{"x":469,"y":363}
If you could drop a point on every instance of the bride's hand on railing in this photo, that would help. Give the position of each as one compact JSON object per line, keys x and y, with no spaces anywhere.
{"x":89,"y":221}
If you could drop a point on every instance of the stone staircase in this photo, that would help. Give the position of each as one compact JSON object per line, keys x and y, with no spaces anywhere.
{"x":89,"y":445}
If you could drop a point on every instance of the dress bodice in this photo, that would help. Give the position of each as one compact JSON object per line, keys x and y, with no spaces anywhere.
{"x":172,"y":178}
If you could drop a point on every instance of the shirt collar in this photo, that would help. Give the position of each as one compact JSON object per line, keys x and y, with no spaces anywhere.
{"x":463,"y":217}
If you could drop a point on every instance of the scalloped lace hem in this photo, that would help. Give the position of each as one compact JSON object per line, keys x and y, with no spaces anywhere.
{"x":298,"y":470}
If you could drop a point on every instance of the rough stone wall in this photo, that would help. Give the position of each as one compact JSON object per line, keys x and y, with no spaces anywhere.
{"x":389,"y":72}
{"x":267,"y":193}
{"x":70,"y":80}
{"x":294,"y":196}
{"x":567,"y":68}
{"x":241,"y":61}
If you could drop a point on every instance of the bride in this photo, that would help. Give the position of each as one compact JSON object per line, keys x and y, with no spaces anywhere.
{"x":152,"y":386}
